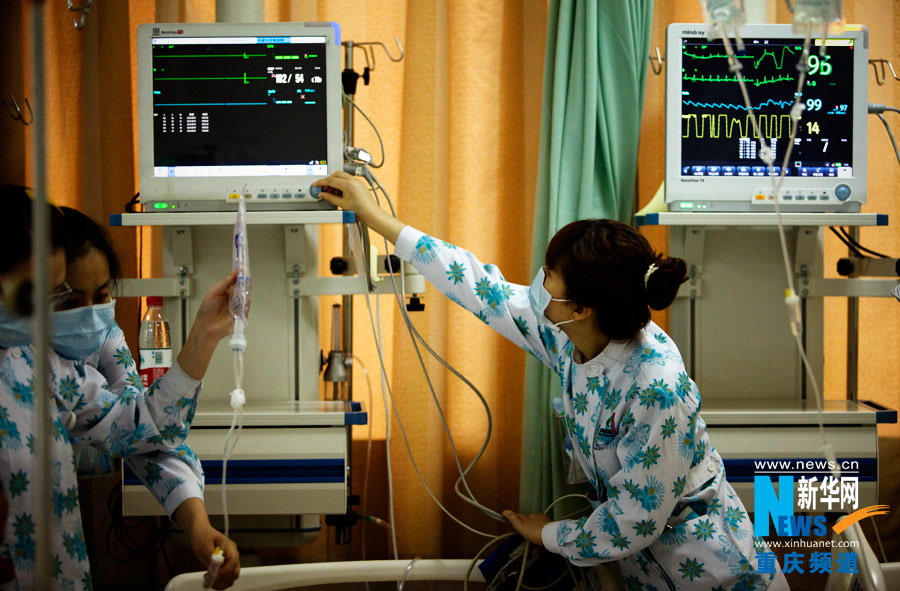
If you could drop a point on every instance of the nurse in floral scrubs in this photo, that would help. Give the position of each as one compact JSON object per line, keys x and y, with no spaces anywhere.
{"x":664,"y":512}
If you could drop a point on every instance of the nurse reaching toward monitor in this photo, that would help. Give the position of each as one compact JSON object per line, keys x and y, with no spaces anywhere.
{"x":664,"y":510}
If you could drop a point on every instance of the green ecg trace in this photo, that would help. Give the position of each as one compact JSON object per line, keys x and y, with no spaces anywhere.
{"x":778,"y":63}
{"x":753,"y":81}
{"x":245,"y":78}
{"x":241,"y":55}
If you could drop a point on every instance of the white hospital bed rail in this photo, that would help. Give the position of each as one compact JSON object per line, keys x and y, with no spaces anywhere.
{"x":290,"y":576}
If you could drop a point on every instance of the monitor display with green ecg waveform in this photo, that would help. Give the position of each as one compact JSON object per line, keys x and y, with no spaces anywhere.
{"x":712,"y":150}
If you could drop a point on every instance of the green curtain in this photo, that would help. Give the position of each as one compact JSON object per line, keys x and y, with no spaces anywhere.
{"x":595,"y":66}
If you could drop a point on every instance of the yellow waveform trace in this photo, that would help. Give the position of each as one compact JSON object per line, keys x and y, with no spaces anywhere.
{"x":717,"y":125}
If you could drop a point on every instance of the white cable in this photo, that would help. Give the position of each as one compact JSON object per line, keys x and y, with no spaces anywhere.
{"x":400,"y":295}
{"x":393,"y":407}
{"x":470,"y":498}
{"x":406,"y":440}
{"x":414,"y":334}
{"x":377,"y":133}
{"x":510,"y":534}
{"x":237,"y":420}
{"x":387,"y":430}
{"x":890,"y":135}
{"x":878,"y":537}
{"x":406,"y":572}
{"x":365,"y":495}
{"x":792,"y":300}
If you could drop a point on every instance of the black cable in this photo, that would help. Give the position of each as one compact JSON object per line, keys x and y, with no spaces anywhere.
{"x":162,"y":534}
{"x":129,"y":207}
{"x":860,"y":246}
{"x":120,"y":529}
{"x":847,"y":243}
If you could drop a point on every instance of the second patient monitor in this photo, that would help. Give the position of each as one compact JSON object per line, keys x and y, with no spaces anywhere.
{"x":712,"y":152}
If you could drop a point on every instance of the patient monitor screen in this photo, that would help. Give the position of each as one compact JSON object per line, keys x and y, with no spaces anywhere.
{"x":717,"y":138}
{"x":239,"y":106}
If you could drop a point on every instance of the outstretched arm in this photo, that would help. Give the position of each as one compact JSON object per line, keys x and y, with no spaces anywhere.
{"x":457,"y":273}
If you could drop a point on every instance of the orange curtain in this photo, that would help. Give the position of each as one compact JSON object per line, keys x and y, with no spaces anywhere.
{"x":460,"y":117}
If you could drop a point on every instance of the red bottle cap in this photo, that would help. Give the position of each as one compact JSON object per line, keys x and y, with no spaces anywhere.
{"x":156,"y":301}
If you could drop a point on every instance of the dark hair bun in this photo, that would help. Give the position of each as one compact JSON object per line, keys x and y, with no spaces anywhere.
{"x":663,"y":283}
{"x":603,"y":264}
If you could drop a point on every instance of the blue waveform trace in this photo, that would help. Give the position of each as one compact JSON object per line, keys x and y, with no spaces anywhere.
{"x":768,"y":102}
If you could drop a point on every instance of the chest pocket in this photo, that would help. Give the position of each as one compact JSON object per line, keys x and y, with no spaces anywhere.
{"x":606,"y":432}
{"x":607,"y":435}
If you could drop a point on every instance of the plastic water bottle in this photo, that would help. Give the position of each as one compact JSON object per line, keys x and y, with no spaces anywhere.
{"x":155,"y":343}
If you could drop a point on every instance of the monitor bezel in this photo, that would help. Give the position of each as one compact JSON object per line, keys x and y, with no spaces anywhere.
{"x":735,"y":193}
{"x":216,"y":188}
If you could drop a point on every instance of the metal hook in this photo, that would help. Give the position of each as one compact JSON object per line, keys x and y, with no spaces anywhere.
{"x":17,"y":114}
{"x":370,"y":64}
{"x":880,"y":78}
{"x":79,"y":22}
{"x":656,"y":66}
{"x":367,"y":47}
{"x":390,"y":57}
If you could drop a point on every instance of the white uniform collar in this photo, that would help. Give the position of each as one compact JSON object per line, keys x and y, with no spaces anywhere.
{"x":613,"y":353}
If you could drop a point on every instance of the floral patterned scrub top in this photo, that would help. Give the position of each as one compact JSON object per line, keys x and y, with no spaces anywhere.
{"x":665,"y":511}
{"x":173,"y":476}
{"x":124,"y":424}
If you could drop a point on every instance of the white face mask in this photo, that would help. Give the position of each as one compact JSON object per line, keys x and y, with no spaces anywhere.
{"x":75,"y":334}
{"x":80,"y":332}
{"x":540,"y":298}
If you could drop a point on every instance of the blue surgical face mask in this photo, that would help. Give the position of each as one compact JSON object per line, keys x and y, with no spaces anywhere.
{"x":540,"y":298}
{"x":78,"y":333}
{"x":15,"y":331}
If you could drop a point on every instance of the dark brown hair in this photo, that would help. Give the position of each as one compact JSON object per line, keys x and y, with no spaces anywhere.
{"x":15,"y":227}
{"x":81,"y":234}
{"x":603,"y":264}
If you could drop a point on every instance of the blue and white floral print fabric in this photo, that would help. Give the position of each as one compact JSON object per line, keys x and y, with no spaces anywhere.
{"x":131,"y":422}
{"x":666,"y":512}
{"x":173,"y":476}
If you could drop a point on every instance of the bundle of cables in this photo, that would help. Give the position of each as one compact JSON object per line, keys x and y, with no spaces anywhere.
{"x":131,"y":536}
